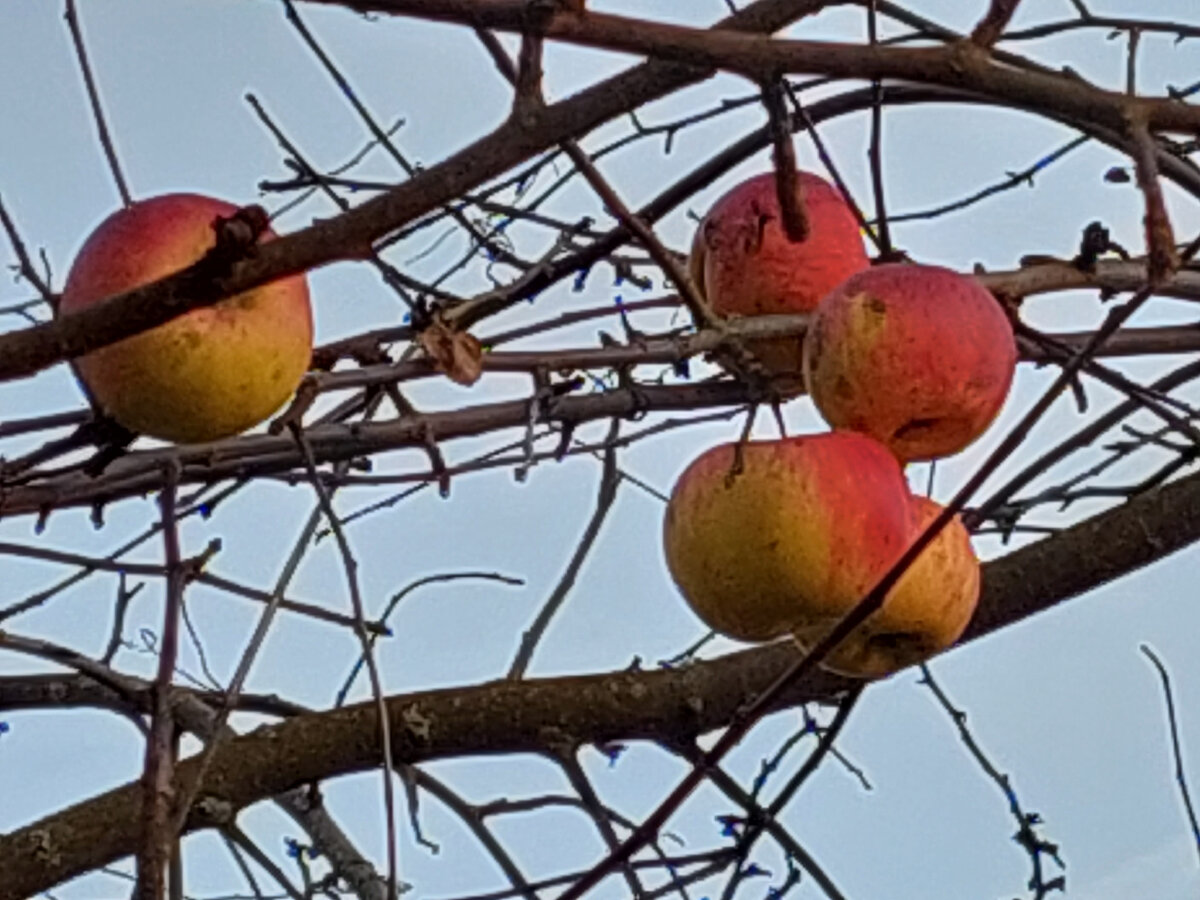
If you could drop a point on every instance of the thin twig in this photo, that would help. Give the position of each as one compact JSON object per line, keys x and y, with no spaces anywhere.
{"x":473,"y":818}
{"x":1012,"y":180}
{"x":158,"y":835}
{"x":762,"y":818}
{"x":875,"y":153}
{"x":825,"y":747}
{"x":93,"y":93}
{"x":1026,"y":836}
{"x":382,"y":138}
{"x":25,"y":266}
{"x":397,"y":598}
{"x":231,"y":693}
{"x":610,"y":479}
{"x":230,"y":696}
{"x":251,"y":849}
{"x":802,"y":116}
{"x":112,"y":563}
{"x":1083,"y":438}
{"x":1180,"y":775}
{"x":351,"y":568}
{"x":577,"y":777}
{"x":1135,"y":39}
{"x":120,"y":608}
{"x":390,"y":274}
{"x":729,"y":786}
{"x":239,"y":859}
{"x":695,"y":301}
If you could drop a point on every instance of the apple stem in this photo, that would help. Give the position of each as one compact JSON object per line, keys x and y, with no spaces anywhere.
{"x":787,"y":183}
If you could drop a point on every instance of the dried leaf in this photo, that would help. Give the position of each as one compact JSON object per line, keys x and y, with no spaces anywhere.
{"x":456,"y":353}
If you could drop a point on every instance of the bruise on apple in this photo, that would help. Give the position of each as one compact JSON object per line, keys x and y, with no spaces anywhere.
{"x":919,"y":357}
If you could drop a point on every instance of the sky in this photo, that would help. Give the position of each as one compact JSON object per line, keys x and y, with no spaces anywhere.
{"x":1065,"y":703}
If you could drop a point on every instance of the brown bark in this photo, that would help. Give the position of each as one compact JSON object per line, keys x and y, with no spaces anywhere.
{"x":141,"y":472}
{"x":963,"y":66}
{"x":538,"y":715}
{"x":351,"y":234}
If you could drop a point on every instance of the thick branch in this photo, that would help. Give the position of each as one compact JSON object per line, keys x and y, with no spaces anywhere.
{"x":964,"y":66}
{"x":465,"y":315}
{"x":140,"y":472}
{"x":671,"y":706}
{"x":352,"y":234}
{"x":264,"y":454}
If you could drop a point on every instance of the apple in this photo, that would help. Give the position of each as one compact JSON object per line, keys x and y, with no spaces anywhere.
{"x":919,"y":357}
{"x":926,"y":611}
{"x":210,"y":373}
{"x":803,"y":531}
{"x":744,"y":264}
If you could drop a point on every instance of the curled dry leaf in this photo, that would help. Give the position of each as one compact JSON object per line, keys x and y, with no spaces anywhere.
{"x":458,"y":354}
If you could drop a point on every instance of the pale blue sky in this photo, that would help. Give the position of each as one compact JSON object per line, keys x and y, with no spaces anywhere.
{"x":1064,"y":702}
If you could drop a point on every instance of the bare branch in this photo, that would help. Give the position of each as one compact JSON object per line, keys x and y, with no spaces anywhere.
{"x":964,"y":67}
{"x":788,"y":189}
{"x":503,"y":716}
{"x":610,"y":480}
{"x":992,"y":25}
{"x":1160,"y":237}
{"x":241,"y":840}
{"x":352,"y":235}
{"x":382,"y":138}
{"x":1027,"y":837}
{"x":472,"y":817}
{"x":85,"y":68}
{"x":525,"y":174}
{"x":158,"y":792}
{"x":1180,"y":775}
{"x":726,"y":783}
{"x":350,"y":564}
{"x":875,"y":151}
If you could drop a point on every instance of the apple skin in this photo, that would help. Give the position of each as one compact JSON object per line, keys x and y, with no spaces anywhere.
{"x":919,"y":357}
{"x":744,"y":264}
{"x":926,"y":612}
{"x":210,"y":373}
{"x":808,"y":526}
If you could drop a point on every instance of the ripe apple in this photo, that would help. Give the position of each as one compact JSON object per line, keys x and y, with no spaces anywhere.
{"x":919,"y":357}
{"x":805,"y":529}
{"x":926,"y":612}
{"x":209,"y":373}
{"x":744,"y":264}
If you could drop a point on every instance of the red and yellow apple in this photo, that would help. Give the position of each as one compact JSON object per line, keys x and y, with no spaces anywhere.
{"x":926,"y":612}
{"x":919,"y":357}
{"x":799,"y":535}
{"x":210,"y":373}
{"x":744,"y":264}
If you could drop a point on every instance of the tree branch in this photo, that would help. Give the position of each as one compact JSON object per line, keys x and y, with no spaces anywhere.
{"x":351,"y":235}
{"x":964,"y":66}
{"x":511,"y":717}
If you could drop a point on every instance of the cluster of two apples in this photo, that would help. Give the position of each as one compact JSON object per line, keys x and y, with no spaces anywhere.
{"x":906,"y":363}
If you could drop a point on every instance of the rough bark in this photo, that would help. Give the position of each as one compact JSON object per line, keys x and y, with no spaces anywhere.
{"x":540,"y":715}
{"x":352,"y":234}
